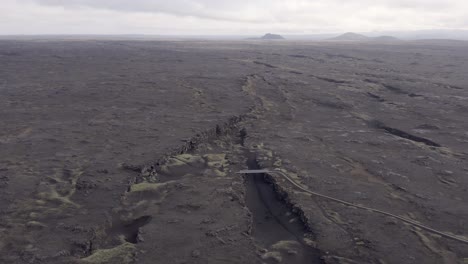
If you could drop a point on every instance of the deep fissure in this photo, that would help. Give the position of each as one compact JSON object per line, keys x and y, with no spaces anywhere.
{"x":273,"y":219}
{"x":405,"y":135}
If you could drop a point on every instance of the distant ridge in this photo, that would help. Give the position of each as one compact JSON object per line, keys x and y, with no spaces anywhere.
{"x":350,"y":36}
{"x":385,"y":38}
{"x":269,"y":36}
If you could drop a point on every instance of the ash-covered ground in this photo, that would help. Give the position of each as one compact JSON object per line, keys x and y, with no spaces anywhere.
{"x":127,"y":151}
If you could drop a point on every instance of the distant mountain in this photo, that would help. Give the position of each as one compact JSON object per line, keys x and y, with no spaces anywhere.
{"x":425,"y":34}
{"x":358,"y":37}
{"x":432,"y":34}
{"x":269,"y":36}
{"x":385,"y":39}
{"x":350,"y":37}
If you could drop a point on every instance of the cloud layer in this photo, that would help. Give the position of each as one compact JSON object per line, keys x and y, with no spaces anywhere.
{"x":227,"y":16}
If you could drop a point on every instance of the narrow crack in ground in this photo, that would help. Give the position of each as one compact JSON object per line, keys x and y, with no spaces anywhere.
{"x":405,"y":135}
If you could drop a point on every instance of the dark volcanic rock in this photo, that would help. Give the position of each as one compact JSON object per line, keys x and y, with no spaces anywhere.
{"x":113,"y":148}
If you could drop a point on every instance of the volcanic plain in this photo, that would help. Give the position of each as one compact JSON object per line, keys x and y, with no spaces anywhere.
{"x":117,"y":151}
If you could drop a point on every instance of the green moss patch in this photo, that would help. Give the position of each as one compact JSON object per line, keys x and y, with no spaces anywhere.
{"x":121,"y":254}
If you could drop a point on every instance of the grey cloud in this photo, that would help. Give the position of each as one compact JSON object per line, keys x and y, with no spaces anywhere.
{"x":422,"y":5}
{"x":210,"y":9}
{"x":229,"y":16}
{"x":257,"y":11}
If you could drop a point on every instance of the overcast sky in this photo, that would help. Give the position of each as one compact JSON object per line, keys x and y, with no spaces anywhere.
{"x":227,"y":17}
